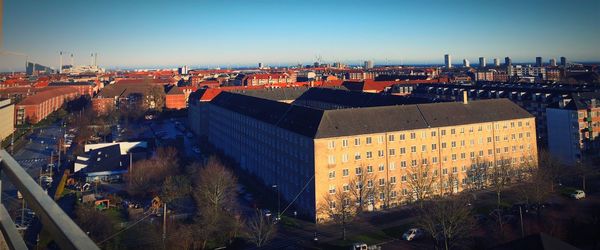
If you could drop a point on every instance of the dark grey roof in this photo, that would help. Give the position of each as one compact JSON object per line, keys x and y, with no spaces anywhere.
{"x":580,"y":101}
{"x":104,"y":159}
{"x":319,"y":123}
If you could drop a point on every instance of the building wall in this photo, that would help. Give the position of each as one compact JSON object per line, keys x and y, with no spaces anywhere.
{"x":563,"y":134}
{"x":274,"y":155}
{"x":175,"y":101}
{"x":7,"y":119}
{"x":450,"y":153}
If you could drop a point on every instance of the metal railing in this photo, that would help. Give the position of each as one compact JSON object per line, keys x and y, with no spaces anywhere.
{"x":60,"y":226}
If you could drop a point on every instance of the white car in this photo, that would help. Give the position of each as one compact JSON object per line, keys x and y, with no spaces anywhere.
{"x":578,"y":194}
{"x":412,"y":234}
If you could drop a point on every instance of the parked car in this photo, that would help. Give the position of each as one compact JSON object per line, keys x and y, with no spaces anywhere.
{"x":267,"y":212}
{"x":412,"y":234}
{"x":578,"y":194}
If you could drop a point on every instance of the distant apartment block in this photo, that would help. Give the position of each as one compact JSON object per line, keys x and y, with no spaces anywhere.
{"x":574,"y":127}
{"x":313,"y":142}
{"x":7,"y":118}
{"x":37,"y":107}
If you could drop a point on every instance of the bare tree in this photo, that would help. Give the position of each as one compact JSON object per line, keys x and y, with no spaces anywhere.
{"x":420,"y":182}
{"x":145,"y":176}
{"x":259,"y":230}
{"x":363,"y":188}
{"x":175,"y":187}
{"x":390,"y":191}
{"x":447,"y":220}
{"x":339,"y":209}
{"x":96,"y":223}
{"x":585,"y":170}
{"x":499,"y":178}
{"x":551,"y":167}
{"x":538,"y":188}
{"x":216,"y":199}
{"x":477,"y":177}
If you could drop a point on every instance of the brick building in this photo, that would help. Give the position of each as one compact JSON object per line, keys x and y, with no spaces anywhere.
{"x":36,"y":107}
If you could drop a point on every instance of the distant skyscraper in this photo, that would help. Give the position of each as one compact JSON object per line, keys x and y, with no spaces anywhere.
{"x":496,"y":62}
{"x":260,"y":65}
{"x":563,"y":61}
{"x":368,"y":64}
{"x":553,"y":62}
{"x":507,"y":61}
{"x":538,"y":61}
{"x":183,"y":70}
{"x":466,"y":63}
{"x":482,"y":62}
{"x":448,"y":61}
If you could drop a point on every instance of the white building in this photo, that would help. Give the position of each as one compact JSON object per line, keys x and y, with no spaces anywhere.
{"x":448,"y":61}
{"x":466,"y":63}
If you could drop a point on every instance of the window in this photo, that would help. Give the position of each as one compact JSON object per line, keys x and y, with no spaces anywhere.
{"x":472,"y":154}
{"x":332,"y":189}
{"x":403,"y":164}
{"x":369,"y":154}
{"x":332,"y":174}
{"x":332,"y":205}
{"x":393,"y":180}
{"x":434,"y":160}
{"x":454,"y":170}
{"x":413,"y":163}
{"x":344,"y":143}
{"x":444,"y":171}
{"x":452,"y":131}
{"x":443,"y":132}
{"x":453,"y":144}
{"x":380,"y":153}
{"x":423,"y":148}
{"x":369,"y":169}
{"x":424,"y":161}
{"x":357,"y":156}
{"x":390,"y":137}
{"x":413,"y":136}
{"x":480,"y":152}
{"x":402,"y":151}
{"x":370,"y":184}
{"x":413,"y":149}
{"x":356,"y":141}
{"x":331,"y":144}
{"x":358,"y":171}
{"x":381,"y":167}
{"x":454,"y":157}
{"x":443,"y":145}
{"x":345,"y":158}
{"x":368,"y":140}
{"x":433,"y":147}
{"x":392,"y":166}
{"x":331,"y":159}
{"x":380,"y":139}
{"x":345,"y":172}
{"x":490,"y":151}
{"x":433,"y":133}
{"x":346,"y":188}
{"x":381,"y":182}
{"x":463,"y":155}
{"x":392,"y":152}
{"x":403,"y":178}
{"x":489,"y":139}
{"x":402,"y":137}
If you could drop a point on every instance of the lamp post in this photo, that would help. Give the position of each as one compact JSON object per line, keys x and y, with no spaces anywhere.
{"x":275,"y":186}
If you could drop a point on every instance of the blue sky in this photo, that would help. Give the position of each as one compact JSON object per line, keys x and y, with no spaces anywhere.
{"x":223,"y":32}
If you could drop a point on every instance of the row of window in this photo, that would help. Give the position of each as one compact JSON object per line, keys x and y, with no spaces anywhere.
{"x":331,"y":159}
{"x":357,"y":141}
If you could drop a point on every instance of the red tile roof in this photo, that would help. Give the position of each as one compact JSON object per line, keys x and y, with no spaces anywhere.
{"x":47,"y":94}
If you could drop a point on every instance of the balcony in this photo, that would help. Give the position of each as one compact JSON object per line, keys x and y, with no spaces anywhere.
{"x":61,"y":228}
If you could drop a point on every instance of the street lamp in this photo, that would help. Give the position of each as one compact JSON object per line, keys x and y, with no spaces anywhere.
{"x":278,"y":203}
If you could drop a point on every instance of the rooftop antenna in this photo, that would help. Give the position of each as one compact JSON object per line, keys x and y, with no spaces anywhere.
{"x":72,"y":61}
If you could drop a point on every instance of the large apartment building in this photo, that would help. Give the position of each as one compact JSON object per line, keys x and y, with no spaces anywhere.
{"x":312,"y":143}
{"x":574,"y":127}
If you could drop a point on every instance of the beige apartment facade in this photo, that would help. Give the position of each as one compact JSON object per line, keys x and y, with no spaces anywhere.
{"x":7,"y":118}
{"x":311,"y":153}
{"x":447,"y":155}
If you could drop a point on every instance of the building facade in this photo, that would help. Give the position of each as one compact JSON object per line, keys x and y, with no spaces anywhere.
{"x":312,"y":149}
{"x":7,"y":118}
{"x":574,"y":128}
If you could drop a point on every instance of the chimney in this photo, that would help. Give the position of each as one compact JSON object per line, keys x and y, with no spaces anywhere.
{"x":465,"y":97}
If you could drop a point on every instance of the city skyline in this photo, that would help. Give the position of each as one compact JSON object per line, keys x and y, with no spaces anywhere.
{"x":211,"y":34}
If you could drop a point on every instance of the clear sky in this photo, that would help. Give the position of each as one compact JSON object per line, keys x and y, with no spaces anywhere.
{"x":129,"y":33}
